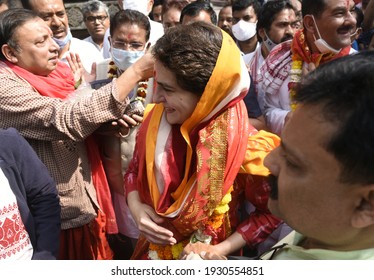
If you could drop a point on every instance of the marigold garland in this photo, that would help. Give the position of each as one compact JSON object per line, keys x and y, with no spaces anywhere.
{"x":295,"y":79}
{"x":212,"y":225}
{"x":166,"y":252}
{"x":141,"y":92}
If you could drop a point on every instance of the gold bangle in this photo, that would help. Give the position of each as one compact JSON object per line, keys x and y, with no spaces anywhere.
{"x":78,"y":83}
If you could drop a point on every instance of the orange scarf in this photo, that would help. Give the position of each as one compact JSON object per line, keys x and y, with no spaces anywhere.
{"x":60,"y":84}
{"x":301,"y":51}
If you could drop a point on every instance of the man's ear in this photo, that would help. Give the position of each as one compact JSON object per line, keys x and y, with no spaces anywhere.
{"x":147,"y":46}
{"x":8,"y":52}
{"x":363,"y":215}
{"x":261,"y":33}
{"x":358,"y":33}
{"x":309,"y":24}
{"x":150,"y":6}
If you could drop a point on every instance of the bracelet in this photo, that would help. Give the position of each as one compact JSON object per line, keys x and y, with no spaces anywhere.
{"x":123,"y":135}
{"x":78,"y":83}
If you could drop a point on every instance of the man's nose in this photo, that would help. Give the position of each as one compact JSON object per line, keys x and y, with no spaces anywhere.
{"x":271,"y":163}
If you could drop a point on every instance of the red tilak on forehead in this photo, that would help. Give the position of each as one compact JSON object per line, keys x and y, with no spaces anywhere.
{"x":130,"y":36}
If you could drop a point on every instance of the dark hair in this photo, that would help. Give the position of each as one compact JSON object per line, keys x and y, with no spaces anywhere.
{"x":269,"y":11}
{"x":131,"y":17}
{"x":190,"y":52}
{"x":5,"y":2}
{"x":344,"y":88}
{"x":193,"y":9}
{"x":359,"y":15}
{"x":10,"y":21}
{"x":26,"y":4}
{"x":313,"y":7}
{"x":178,"y":4}
{"x":239,"y":5}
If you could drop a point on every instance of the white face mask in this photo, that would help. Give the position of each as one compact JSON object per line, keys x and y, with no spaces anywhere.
{"x":244,"y":30}
{"x":138,"y":5}
{"x":62,"y":42}
{"x":124,"y":59}
{"x":269,"y":44}
{"x":321,"y":44}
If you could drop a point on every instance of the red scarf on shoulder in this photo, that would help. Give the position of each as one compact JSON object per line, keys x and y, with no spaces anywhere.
{"x":60,"y":84}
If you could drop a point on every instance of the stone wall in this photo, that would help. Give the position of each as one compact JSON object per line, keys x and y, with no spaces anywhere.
{"x":73,"y":9}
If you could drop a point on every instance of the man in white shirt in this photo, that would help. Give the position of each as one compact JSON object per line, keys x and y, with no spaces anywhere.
{"x":96,"y":18}
{"x":54,"y":14}
{"x":244,"y":14}
{"x":325,"y":37}
{"x":145,"y":7}
{"x":276,"y":24}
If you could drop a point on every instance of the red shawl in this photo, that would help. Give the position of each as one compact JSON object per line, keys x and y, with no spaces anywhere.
{"x":300,"y":48}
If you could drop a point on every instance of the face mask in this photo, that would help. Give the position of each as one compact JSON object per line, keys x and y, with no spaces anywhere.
{"x":321,"y":44}
{"x":62,"y":43}
{"x":354,"y":34}
{"x":244,"y":30}
{"x":124,"y":59}
{"x":138,"y":5}
{"x":269,"y":44}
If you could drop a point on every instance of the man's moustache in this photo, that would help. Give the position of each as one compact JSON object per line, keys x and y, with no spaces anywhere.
{"x":273,"y":183}
{"x":286,"y":38}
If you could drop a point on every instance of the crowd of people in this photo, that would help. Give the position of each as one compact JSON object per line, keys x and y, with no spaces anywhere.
{"x":176,"y":131}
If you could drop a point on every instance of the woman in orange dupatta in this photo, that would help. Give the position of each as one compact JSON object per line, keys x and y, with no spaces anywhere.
{"x":192,"y":143}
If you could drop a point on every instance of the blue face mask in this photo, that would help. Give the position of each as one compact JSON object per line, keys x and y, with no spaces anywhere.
{"x":62,"y":43}
{"x":124,"y":59}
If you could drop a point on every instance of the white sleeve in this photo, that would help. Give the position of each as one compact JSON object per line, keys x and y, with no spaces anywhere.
{"x":277,"y":106}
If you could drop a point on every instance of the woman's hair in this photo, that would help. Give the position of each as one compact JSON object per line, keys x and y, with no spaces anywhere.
{"x":190,"y":52}
{"x":130,"y":17}
{"x":10,"y":20}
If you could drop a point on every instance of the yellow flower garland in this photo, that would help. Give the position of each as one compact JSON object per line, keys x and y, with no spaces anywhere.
{"x":141,"y":91}
{"x":295,"y":78}
{"x":172,"y":252}
{"x":166,"y":252}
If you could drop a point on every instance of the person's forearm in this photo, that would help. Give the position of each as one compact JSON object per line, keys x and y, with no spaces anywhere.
{"x":133,"y":198}
{"x":126,"y":82}
{"x":233,"y":243}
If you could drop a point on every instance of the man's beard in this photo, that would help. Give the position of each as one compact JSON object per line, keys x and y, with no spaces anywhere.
{"x":273,"y":183}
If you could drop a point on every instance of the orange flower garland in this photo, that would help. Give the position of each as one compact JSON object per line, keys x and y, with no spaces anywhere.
{"x":295,"y":78}
{"x":166,"y":252}
{"x":212,"y":225}
{"x":141,"y":92}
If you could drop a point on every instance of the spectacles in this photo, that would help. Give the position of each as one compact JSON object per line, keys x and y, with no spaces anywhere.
{"x":94,"y":18}
{"x":272,"y":251}
{"x":131,"y":46}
